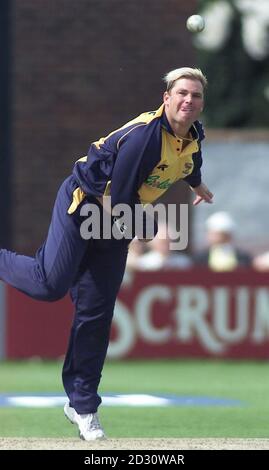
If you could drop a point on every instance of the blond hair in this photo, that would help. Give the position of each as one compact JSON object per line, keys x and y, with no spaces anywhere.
{"x":184,"y":72}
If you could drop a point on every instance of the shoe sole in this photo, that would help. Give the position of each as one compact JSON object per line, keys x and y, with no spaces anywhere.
{"x":70,"y":420}
{"x":101,"y":438}
{"x":68,"y":417}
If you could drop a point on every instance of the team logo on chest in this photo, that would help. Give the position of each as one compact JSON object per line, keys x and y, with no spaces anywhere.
{"x":188,"y":166}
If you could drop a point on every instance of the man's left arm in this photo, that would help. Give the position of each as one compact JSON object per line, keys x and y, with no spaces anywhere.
{"x":195,"y":178}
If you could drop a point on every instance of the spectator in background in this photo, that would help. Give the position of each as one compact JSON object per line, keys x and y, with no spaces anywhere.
{"x":261,"y":262}
{"x":160,"y":256}
{"x":221,"y":254}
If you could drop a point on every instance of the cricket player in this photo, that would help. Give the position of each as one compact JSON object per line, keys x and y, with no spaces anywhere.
{"x":134,"y":165}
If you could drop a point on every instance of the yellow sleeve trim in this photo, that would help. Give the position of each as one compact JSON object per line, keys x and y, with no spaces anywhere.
{"x":82,"y":159}
{"x":78,"y":196}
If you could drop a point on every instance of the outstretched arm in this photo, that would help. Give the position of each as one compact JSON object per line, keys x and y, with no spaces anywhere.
{"x":202,"y":194}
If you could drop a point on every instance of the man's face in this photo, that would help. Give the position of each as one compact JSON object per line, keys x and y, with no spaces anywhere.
{"x":184,"y":102}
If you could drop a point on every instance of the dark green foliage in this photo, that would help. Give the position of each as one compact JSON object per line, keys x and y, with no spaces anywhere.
{"x":237,"y":82}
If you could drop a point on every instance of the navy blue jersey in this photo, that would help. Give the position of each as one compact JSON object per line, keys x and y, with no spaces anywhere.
{"x":139,"y":161}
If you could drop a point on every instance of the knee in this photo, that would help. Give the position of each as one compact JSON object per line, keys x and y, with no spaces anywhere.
{"x":52,"y":293}
{"x":55,"y":295}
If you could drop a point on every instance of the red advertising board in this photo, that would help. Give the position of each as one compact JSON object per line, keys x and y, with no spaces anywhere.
{"x":192,"y":313}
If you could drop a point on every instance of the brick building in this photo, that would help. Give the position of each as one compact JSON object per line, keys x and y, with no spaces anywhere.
{"x":78,"y":70}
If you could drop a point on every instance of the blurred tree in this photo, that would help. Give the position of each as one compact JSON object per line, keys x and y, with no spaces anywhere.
{"x":234,"y":54}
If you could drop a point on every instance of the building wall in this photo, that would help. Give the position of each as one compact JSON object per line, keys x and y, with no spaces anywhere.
{"x":5,"y":122}
{"x":235,"y":168}
{"x":81,"y":69}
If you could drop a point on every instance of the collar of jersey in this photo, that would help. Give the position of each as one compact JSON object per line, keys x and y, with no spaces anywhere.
{"x":165,"y":125}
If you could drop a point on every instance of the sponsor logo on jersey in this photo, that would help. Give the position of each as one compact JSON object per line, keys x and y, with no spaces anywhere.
{"x":155,"y":182}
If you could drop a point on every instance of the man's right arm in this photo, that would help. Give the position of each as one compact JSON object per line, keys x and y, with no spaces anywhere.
{"x":125,"y":180}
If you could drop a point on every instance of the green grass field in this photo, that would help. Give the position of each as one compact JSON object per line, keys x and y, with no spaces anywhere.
{"x":245,"y":381}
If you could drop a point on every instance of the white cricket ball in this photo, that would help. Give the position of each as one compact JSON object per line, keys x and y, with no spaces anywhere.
{"x":195,"y":23}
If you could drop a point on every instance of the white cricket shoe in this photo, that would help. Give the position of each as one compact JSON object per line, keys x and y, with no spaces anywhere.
{"x":88,"y":424}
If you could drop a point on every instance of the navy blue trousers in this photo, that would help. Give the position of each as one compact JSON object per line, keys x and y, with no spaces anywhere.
{"x":92,"y":271}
